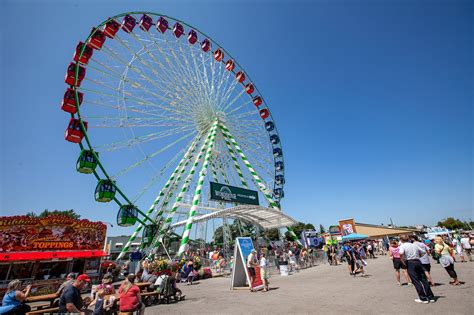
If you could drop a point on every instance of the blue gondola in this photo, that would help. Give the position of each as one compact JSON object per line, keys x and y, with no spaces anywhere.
{"x":279,"y":166}
{"x":269,"y":125}
{"x":277,"y":152}
{"x":274,"y":139}
{"x":278,"y":193}
{"x":279,"y":179}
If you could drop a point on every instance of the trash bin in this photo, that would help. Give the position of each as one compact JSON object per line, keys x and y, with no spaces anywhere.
{"x":283,"y":267}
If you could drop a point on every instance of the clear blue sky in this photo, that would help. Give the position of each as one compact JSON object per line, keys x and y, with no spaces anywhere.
{"x":373,"y":100}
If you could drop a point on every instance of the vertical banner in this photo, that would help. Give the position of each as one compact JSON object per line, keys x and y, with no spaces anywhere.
{"x":240,"y":274}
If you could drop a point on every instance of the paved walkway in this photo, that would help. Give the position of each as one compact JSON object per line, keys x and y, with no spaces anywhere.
{"x":329,"y":290}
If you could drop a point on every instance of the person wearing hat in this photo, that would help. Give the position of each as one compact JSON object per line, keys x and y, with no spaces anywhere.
{"x":251,"y":264}
{"x":106,"y":285}
{"x":71,"y":300}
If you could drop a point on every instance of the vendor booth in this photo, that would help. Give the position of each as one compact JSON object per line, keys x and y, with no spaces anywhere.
{"x":42,"y":251}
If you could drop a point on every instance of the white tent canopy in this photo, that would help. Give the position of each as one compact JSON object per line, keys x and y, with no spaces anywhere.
{"x":266,"y":218}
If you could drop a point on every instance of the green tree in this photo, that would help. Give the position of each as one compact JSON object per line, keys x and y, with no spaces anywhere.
{"x":272,"y":234}
{"x":70,"y":213}
{"x":453,"y":224}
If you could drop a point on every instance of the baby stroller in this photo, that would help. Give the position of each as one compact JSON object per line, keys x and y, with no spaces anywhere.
{"x":168,"y":291}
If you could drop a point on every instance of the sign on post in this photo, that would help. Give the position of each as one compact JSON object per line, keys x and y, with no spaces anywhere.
{"x":233,"y":194}
{"x":240,"y":273}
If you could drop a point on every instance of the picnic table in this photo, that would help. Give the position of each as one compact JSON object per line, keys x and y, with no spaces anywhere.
{"x":35,"y":301}
{"x":143,"y":285}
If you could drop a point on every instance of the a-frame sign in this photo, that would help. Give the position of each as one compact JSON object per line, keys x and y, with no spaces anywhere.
{"x":240,"y":275}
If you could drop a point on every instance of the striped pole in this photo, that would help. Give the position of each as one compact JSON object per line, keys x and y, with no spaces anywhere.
{"x":229,"y":138}
{"x":234,"y":159}
{"x":158,"y":198}
{"x":197,"y":193}
{"x":185,"y":187}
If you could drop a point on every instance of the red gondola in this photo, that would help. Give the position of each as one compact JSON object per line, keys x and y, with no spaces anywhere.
{"x":145,"y":22}
{"x":111,"y":28}
{"x":264,"y":113}
{"x":86,"y":55}
{"x":257,"y":101}
{"x":206,"y":45}
{"x":74,"y":132}
{"x":128,"y":23}
{"x":192,"y":37}
{"x":218,"y":54}
{"x":229,"y":65}
{"x":97,"y":40}
{"x":240,"y":76}
{"x":162,"y":25}
{"x":178,"y":30}
{"x":71,"y":74}
{"x":69,"y":101}
{"x":249,"y":88}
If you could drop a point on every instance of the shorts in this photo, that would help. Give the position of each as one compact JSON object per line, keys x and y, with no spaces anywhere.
{"x":263,"y":274}
{"x":251,"y":271}
{"x":397,"y":264}
{"x":426,"y":267}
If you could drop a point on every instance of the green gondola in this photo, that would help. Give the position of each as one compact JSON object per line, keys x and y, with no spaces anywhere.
{"x":86,"y":163}
{"x":149,"y":233}
{"x":105,"y":190}
{"x":127,"y":215}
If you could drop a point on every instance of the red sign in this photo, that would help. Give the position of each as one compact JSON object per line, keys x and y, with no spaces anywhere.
{"x":257,"y":280}
{"x":24,"y":233}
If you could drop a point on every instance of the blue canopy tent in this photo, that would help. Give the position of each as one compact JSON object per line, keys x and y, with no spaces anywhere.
{"x":354,"y":237}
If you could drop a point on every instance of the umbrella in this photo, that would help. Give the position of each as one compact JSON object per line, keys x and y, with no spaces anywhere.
{"x":354,"y":236}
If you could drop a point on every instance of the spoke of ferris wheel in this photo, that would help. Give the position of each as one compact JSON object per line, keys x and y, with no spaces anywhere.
{"x":137,"y":85}
{"x":203,"y":93}
{"x":157,"y":176}
{"x":185,"y":185}
{"x":132,"y":120}
{"x":133,"y":109}
{"x":158,"y":45}
{"x":173,"y":80}
{"x":152,"y":155}
{"x":239,"y":107}
{"x":139,"y":139}
{"x":176,"y":78}
{"x":160,"y":195}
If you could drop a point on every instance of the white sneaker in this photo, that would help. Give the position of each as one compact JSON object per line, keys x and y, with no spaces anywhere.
{"x":433,"y":301}
{"x":421,"y":301}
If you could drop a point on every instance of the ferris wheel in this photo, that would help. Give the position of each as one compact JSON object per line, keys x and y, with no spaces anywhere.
{"x":159,"y":110}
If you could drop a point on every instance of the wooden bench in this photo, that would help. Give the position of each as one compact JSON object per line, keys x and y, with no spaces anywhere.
{"x":44,"y":310}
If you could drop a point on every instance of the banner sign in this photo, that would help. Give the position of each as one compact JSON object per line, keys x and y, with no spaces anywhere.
{"x":347,"y":226}
{"x":25,"y":233}
{"x":240,"y":273}
{"x":233,"y":194}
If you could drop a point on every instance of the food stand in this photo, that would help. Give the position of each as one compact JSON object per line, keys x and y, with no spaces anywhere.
{"x":42,"y":251}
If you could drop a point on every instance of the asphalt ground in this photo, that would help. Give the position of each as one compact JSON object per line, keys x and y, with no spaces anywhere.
{"x":328,"y":289}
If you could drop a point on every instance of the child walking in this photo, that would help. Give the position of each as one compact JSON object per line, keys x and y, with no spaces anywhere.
{"x":264,"y":271}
